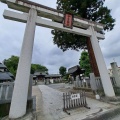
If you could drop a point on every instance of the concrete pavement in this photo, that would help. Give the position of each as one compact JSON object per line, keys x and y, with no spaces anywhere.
{"x":49,"y":105}
{"x":52,"y":105}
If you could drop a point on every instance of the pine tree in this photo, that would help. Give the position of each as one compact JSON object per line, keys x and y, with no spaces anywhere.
{"x":85,"y":62}
{"x":88,"y":9}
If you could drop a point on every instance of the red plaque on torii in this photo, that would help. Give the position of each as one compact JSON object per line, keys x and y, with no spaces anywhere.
{"x":68,"y":20}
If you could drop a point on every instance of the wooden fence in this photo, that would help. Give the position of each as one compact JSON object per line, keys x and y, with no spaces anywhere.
{"x":74,"y":100}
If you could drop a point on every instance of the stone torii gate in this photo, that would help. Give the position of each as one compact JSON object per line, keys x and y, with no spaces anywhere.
{"x":32,"y":13}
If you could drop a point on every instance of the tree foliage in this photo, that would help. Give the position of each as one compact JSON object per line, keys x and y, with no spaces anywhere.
{"x":37,"y":67}
{"x":12,"y":64}
{"x":85,"y":62}
{"x":89,"y":9}
{"x":62,"y":70}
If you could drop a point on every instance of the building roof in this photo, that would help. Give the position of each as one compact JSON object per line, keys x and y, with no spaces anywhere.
{"x":76,"y":70}
{"x":10,"y":74}
{"x":40,"y":73}
{"x":53,"y":75}
{"x":2,"y":65}
{"x":4,"y":76}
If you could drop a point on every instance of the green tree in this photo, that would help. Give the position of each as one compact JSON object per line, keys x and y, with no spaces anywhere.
{"x":37,"y":67}
{"x":62,"y":70}
{"x":12,"y":64}
{"x":89,"y":9}
{"x":85,"y":62}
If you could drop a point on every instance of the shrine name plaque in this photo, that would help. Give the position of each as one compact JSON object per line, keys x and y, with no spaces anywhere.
{"x":68,"y":20}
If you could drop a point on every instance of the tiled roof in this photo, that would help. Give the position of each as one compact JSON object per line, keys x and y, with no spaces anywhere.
{"x":2,"y":65}
{"x":40,"y":73}
{"x":75,"y":70}
{"x":53,"y":75}
{"x":4,"y":76}
{"x":10,"y":74}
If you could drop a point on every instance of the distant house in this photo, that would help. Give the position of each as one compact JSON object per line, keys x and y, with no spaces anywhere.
{"x":53,"y":76}
{"x":75,"y":70}
{"x":5,"y":75}
{"x":41,"y":76}
{"x":3,"y":68}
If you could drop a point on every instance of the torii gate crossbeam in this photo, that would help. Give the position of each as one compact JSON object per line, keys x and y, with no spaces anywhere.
{"x":49,"y":24}
{"x":81,"y":27}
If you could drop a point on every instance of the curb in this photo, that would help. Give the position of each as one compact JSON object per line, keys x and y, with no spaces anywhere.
{"x":106,"y":115}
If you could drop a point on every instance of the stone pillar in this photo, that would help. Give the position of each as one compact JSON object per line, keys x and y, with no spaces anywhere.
{"x":115,"y":73}
{"x":30,"y":87}
{"x":83,"y":85}
{"x":80,"y":83}
{"x":20,"y":93}
{"x":86,"y":84}
{"x":106,"y":82}
{"x":77,"y":81}
{"x":92,"y":82}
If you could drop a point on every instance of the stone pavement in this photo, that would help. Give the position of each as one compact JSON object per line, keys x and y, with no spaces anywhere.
{"x":39,"y":113}
{"x":51,"y":105}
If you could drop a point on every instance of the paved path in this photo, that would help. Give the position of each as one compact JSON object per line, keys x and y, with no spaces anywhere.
{"x":52,"y":105}
{"x":116,"y":118}
{"x":39,"y":103}
{"x":49,"y":105}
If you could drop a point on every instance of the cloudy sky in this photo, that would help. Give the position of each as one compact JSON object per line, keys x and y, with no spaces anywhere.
{"x":45,"y":52}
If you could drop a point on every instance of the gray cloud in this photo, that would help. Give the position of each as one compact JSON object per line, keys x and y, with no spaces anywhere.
{"x":111,"y":45}
{"x":113,"y":5}
{"x":44,"y":51}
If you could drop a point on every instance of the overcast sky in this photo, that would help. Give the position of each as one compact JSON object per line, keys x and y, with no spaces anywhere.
{"x":45,"y":52}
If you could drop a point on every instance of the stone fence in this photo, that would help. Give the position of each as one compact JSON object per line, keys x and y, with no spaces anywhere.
{"x":6,"y":91}
{"x":95,"y":84}
{"x":82,"y":83}
{"x":99,"y":83}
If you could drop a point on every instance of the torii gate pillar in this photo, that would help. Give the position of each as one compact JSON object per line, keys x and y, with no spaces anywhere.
{"x":19,"y":99}
{"x":105,"y":78}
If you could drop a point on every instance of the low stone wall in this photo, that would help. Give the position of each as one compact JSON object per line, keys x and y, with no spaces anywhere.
{"x":6,"y":91}
{"x":5,"y":107}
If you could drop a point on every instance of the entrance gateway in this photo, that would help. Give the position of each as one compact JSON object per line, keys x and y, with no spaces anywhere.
{"x":32,"y":13}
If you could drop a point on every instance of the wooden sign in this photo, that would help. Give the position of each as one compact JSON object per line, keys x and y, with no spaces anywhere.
{"x":75,"y":96}
{"x":68,"y":20}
